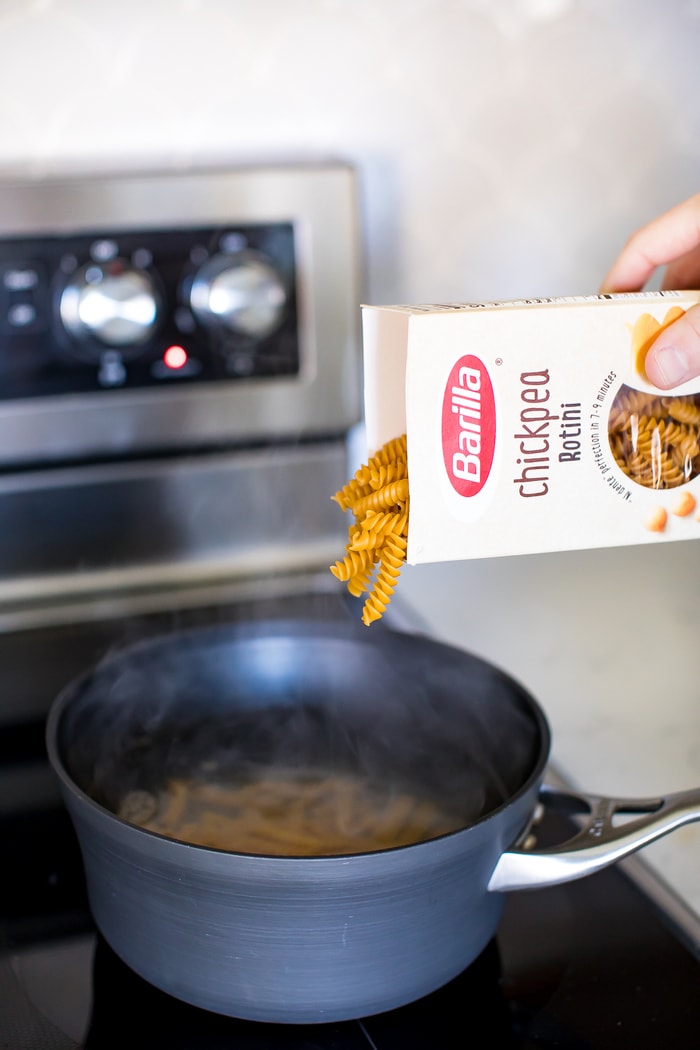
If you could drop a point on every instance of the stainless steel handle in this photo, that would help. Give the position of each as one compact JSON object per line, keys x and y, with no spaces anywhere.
{"x":598,"y":843}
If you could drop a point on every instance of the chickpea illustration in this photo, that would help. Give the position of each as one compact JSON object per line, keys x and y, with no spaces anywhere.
{"x":684,"y":505}
{"x":656,"y":520}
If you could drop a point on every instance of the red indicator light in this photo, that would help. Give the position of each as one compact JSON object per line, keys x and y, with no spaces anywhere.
{"x":175,"y":357}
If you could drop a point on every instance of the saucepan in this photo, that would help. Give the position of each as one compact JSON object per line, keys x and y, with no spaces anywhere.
{"x":308,"y":939}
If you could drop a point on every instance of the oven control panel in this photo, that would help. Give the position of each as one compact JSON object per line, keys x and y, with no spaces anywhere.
{"x":134,"y":309}
{"x":161,"y":312}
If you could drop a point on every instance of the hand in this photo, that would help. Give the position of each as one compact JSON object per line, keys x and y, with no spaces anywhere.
{"x":672,"y":240}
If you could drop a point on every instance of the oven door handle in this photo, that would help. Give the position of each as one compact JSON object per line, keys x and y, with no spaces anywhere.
{"x":598,"y":843}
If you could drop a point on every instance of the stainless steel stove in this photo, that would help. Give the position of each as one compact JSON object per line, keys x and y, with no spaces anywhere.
{"x":178,"y":363}
{"x":179,"y":373}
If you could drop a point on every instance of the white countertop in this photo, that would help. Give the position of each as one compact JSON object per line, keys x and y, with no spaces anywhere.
{"x":609,"y":643}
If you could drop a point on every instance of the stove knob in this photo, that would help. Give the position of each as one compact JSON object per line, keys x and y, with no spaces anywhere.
{"x":115,"y":304}
{"x":242,"y":293}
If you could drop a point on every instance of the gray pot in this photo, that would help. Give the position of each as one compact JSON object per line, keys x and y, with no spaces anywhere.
{"x":318,"y":939}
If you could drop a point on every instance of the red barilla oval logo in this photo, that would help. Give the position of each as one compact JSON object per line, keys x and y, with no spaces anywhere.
{"x":468,"y":426}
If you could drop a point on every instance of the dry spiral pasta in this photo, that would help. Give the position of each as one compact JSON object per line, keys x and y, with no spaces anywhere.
{"x":377,"y":496}
{"x":685,"y":410}
{"x":655,"y":439}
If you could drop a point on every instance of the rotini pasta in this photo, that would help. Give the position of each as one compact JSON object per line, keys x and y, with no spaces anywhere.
{"x":289,"y":813}
{"x":377,"y":496}
{"x":654,"y":439}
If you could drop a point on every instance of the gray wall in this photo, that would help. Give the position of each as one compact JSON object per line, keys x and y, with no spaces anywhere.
{"x":506,"y":147}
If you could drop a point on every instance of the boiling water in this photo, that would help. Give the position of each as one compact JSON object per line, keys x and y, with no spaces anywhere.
{"x":289,"y":813}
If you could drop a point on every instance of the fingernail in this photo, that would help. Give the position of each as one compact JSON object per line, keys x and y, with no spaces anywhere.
{"x":671,"y":365}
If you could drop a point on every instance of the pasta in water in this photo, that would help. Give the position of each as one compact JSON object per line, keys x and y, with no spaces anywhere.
{"x":655,"y":439}
{"x":377,"y":497}
{"x":288,"y":813}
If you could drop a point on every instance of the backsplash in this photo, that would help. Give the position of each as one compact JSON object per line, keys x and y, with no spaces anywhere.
{"x":505,"y":147}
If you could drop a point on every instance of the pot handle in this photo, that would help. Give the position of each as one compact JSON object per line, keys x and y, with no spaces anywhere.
{"x":598,"y":843}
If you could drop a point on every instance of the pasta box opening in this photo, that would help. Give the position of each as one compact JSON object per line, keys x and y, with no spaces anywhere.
{"x":531,"y":425}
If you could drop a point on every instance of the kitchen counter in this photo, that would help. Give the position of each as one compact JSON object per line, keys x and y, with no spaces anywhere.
{"x":609,"y":643}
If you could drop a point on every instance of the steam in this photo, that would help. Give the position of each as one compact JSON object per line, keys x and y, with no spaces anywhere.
{"x":225,"y":702}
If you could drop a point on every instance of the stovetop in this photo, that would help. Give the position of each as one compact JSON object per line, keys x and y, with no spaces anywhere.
{"x":596,"y":963}
{"x":590,"y":964}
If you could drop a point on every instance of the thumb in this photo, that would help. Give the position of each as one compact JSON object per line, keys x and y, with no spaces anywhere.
{"x":674,"y":356}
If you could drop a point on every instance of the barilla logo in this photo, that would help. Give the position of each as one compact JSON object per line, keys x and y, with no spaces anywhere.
{"x":468,"y":426}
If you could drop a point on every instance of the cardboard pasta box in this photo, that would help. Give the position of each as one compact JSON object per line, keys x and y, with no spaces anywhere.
{"x":531,"y":426}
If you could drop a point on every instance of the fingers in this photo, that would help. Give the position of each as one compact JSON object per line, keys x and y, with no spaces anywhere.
{"x":674,"y":357}
{"x":672,"y":240}
{"x":671,"y":236}
{"x":683,"y":272}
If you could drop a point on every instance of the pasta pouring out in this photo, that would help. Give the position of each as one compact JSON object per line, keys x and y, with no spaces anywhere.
{"x":377,"y":496}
